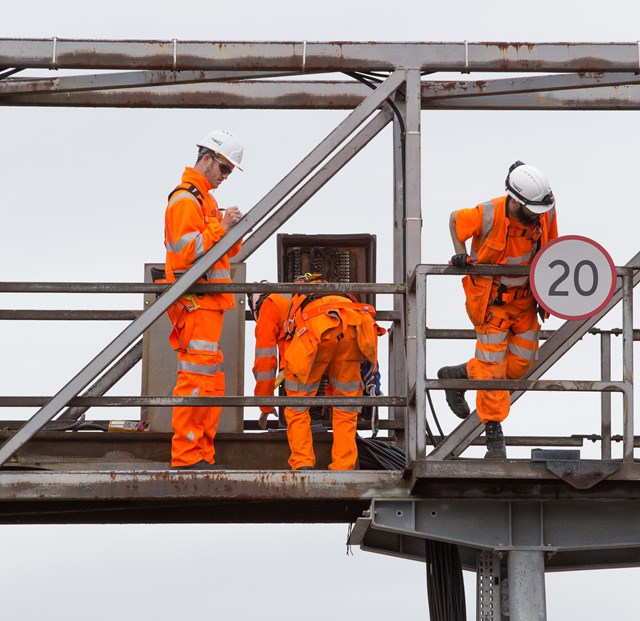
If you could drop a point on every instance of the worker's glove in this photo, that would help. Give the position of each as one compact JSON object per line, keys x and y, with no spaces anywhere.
{"x":262,"y":421}
{"x":461,"y":260}
{"x":543,"y":314}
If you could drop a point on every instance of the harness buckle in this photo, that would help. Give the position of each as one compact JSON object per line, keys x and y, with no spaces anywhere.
{"x":502,"y":289}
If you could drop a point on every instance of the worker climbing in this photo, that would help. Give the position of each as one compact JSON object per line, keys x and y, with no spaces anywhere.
{"x":508,"y":230}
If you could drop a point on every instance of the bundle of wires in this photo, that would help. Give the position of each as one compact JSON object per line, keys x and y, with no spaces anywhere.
{"x":375,"y":454}
{"x":445,"y":587}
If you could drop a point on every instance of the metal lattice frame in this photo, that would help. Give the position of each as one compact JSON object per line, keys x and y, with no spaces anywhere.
{"x":209,"y":74}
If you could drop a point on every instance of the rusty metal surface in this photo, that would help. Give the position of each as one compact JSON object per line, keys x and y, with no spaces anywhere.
{"x":583,"y":474}
{"x":126,"y":496}
{"x":335,"y":95}
{"x":560,"y":57}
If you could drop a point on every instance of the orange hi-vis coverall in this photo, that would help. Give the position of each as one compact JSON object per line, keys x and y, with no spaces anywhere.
{"x":332,"y":334}
{"x":270,"y":344}
{"x":192,"y":227}
{"x":502,"y":308}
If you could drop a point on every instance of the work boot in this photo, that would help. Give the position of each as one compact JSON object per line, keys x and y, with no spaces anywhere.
{"x":201,"y":465}
{"x":495,"y":441}
{"x":455,"y":398}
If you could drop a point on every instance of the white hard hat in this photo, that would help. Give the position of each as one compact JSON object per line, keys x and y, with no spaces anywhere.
{"x":223,"y":143}
{"x":529,"y":186}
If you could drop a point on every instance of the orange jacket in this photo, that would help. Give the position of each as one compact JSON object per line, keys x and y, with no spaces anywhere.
{"x":312,"y":322}
{"x":488,"y":225}
{"x":270,"y":344}
{"x":192,"y":227}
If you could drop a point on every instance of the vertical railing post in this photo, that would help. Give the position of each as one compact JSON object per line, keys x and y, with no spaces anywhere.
{"x":397,"y":341}
{"x":627,"y":370}
{"x":416,"y":441}
{"x":605,"y":397}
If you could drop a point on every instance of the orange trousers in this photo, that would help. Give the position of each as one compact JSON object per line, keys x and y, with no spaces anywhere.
{"x":340,"y":358}
{"x":200,"y":374}
{"x":506,"y":348}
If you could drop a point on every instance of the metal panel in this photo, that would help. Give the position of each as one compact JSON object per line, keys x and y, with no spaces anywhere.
{"x":159,"y":361}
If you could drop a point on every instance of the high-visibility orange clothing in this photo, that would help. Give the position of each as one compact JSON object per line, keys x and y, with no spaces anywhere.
{"x":270,"y":344}
{"x":192,"y":227}
{"x":502,"y":308}
{"x":332,"y":335}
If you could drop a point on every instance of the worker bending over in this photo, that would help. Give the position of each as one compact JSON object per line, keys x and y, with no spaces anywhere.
{"x":508,"y":230}
{"x":328,"y":333}
{"x":194,"y":224}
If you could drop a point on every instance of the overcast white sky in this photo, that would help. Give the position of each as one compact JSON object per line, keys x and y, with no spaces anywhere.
{"x":84,"y":195}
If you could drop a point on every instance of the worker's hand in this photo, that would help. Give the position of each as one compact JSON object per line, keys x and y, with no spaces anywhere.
{"x":231,"y":217}
{"x":262,"y":421}
{"x":461,"y":260}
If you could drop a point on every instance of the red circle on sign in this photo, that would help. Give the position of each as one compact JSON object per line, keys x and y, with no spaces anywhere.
{"x":538,"y":293}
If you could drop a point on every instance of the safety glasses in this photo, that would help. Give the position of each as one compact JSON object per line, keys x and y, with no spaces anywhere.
{"x":224,"y":169}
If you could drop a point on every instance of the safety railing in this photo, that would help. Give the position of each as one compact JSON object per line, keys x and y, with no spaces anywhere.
{"x":556,"y":344}
{"x":73,"y":417}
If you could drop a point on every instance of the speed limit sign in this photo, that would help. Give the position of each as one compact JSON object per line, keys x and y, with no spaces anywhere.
{"x":573,"y":277}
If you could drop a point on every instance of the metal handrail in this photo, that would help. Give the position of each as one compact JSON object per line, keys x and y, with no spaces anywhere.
{"x":629,"y":276}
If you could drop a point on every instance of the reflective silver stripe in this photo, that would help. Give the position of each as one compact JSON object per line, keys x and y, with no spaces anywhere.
{"x":522,"y":352}
{"x":491,"y":339}
{"x":198,"y":250}
{"x":529,"y":335}
{"x":300,"y":387}
{"x":180,"y":194}
{"x":490,"y":356}
{"x":212,"y":346}
{"x":521,"y":260}
{"x":185,"y":240}
{"x":266,"y":352}
{"x":487,"y":218}
{"x":264,"y":375}
{"x":514,"y":281}
{"x":218,"y":274}
{"x":346,"y":386}
{"x":201,"y":369}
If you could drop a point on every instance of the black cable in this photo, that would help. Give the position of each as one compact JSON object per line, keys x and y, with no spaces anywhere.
{"x":6,"y":73}
{"x":374,"y":454}
{"x":361,"y":78}
{"x":445,"y":585}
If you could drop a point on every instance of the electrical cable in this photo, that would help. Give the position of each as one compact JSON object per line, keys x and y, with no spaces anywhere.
{"x":445,"y":586}
{"x":356,"y":75}
{"x":376,"y":454}
{"x":7,"y":72}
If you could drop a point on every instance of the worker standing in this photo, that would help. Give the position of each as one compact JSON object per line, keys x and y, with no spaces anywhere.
{"x":193,"y":224}
{"x":508,"y":230}
{"x":330,"y":333}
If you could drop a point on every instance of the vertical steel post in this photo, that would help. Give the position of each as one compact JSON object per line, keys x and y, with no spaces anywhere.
{"x":397,"y":357}
{"x":527,"y":598}
{"x":416,"y":432}
{"x":605,"y":397}
{"x":627,"y":370}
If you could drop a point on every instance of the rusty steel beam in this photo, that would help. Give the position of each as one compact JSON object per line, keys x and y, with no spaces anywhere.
{"x":341,"y":95}
{"x":131,"y":79}
{"x":304,"y":56}
{"x":128,"y":496}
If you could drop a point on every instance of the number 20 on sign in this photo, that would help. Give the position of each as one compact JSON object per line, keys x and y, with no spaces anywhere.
{"x":573,"y":277}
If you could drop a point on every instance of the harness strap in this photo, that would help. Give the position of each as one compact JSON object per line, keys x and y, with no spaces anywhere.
{"x":193,"y":190}
{"x":189,"y":188}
